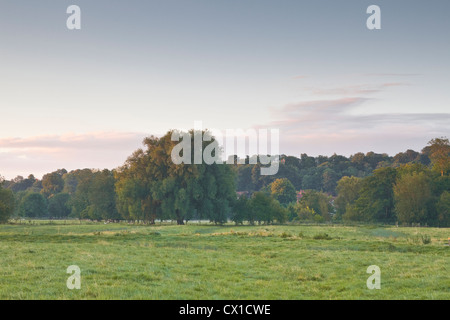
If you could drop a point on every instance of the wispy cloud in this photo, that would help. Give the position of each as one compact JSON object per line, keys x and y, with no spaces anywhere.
{"x":319,"y":126}
{"x":355,"y":90}
{"x":393,"y":74}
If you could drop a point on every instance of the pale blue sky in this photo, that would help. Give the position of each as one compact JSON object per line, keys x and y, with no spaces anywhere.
{"x":310,"y":68}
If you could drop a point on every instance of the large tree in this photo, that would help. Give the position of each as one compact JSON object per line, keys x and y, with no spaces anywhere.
{"x":264,"y":208}
{"x":150,"y":185}
{"x":348,"y":189}
{"x":94,"y":196}
{"x":376,"y":199}
{"x":318,"y":201}
{"x":412,"y":194}
{"x":33,"y":205}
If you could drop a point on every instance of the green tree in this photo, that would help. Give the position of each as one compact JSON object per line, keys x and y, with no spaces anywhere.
{"x":443,"y":209}
{"x":6,"y":204}
{"x":412,"y":194}
{"x":240,"y":211}
{"x":329,"y":180}
{"x":266,"y":209}
{"x":319,"y":202}
{"x":376,"y":200}
{"x":300,"y":211}
{"x":33,"y":205}
{"x":306,"y":161}
{"x":20,"y":184}
{"x":283,"y":191}
{"x":151,"y":186}
{"x":79,"y":201}
{"x":348,"y":189}
{"x":102,"y":196}
{"x":95,"y":196}
{"x":52,"y":183}
{"x":58,"y":205}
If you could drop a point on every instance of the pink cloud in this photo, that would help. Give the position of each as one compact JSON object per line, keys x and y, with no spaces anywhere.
{"x":43,"y":154}
{"x":328,"y":126}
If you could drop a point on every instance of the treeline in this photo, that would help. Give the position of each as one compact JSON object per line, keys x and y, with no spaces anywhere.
{"x":322,"y":173}
{"x":409,"y":194}
{"x":410,"y":187}
{"x":85,"y":194}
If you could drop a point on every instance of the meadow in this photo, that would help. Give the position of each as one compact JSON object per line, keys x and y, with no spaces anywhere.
{"x":204,"y":261}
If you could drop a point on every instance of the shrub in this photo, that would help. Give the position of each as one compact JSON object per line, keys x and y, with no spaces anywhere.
{"x":286,"y":235}
{"x":426,"y":239}
{"x":322,"y":236}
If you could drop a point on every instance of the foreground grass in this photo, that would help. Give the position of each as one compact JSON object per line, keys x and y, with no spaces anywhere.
{"x":120,"y":261}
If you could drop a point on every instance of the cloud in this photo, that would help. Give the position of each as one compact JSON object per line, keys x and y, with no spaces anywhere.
{"x":393,"y":74}
{"x":43,"y":154}
{"x":335,"y":125}
{"x":355,"y":90}
{"x":337,"y":120}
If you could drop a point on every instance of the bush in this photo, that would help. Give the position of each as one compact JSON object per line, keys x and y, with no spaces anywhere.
{"x":426,"y":239}
{"x":286,"y":235}
{"x":418,"y":238}
{"x":322,"y":236}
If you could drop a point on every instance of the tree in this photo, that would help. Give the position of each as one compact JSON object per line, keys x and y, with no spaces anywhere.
{"x":283,"y":191}
{"x":33,"y":205}
{"x":376,"y":199}
{"x":52,"y":183}
{"x":265,"y":208}
{"x":440,"y":154}
{"x":94,"y":196}
{"x":102,"y":197}
{"x":329,"y":180}
{"x":300,"y":211}
{"x":313,"y":178}
{"x":58,"y":205}
{"x":319,"y":202}
{"x":443,"y":209}
{"x":306,"y":161}
{"x":150,"y":185}
{"x":406,"y":157}
{"x":79,"y":201}
{"x":6,"y":204}
{"x":348,"y":189}
{"x":412,"y":194}
{"x":240,"y":211}
{"x":20,"y":184}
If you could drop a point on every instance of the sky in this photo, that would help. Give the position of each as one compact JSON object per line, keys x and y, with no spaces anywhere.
{"x":312,"y":69}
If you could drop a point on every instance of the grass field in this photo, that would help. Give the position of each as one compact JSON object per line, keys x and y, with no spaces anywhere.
{"x":121,"y":261}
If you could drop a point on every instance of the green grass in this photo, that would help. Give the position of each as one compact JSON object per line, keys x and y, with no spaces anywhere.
{"x":121,"y":261}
